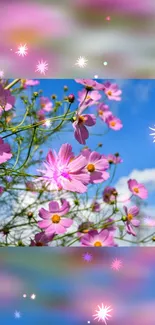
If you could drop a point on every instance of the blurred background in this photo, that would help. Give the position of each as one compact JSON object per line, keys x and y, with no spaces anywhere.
{"x":67,"y":289}
{"x":116,"y":37}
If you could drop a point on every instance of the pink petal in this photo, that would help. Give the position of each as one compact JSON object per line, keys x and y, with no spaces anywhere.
{"x":66,"y":222}
{"x":90,"y":119}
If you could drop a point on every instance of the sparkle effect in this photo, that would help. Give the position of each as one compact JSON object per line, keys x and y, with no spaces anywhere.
{"x":17,"y":314}
{"x":1,"y":74}
{"x":24,"y":295}
{"x":87,"y":257}
{"x":42,"y":66}
{"x":152,"y":133}
{"x":116,"y":264}
{"x":96,"y":76}
{"x":81,"y":62}
{"x":105,"y":63}
{"x":33,"y":296}
{"x":22,"y":50}
{"x":48,"y":123}
{"x":102,"y":313}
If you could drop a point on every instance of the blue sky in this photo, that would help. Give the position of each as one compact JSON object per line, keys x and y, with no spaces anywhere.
{"x":136,"y":110}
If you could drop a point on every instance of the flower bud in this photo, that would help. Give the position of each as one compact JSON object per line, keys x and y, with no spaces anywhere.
{"x":124,"y":218}
{"x":71,"y":98}
{"x":65,"y":88}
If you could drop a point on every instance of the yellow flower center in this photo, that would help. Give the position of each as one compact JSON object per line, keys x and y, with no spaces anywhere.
{"x":109,"y":92}
{"x":130,"y":216}
{"x":90,"y":168}
{"x":97,"y":244}
{"x":100,"y":112}
{"x":70,"y":160}
{"x":85,"y":231}
{"x":88,"y":97}
{"x":136,"y":190}
{"x":81,"y":119}
{"x":112,"y":123}
{"x":55,"y":218}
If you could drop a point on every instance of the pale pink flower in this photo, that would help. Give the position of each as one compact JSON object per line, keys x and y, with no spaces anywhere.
{"x":130,"y":219}
{"x":31,"y":82}
{"x":137,"y":189}
{"x":46,"y":104}
{"x":96,"y":166}
{"x":54,"y":222}
{"x":41,"y":239}
{"x":112,"y":91}
{"x":65,"y":171}
{"x":88,"y":99}
{"x":114,"y":159}
{"x":90,"y":84}
{"x":109,"y":195}
{"x":5,"y":151}
{"x":98,"y":239}
{"x":7,"y":101}
{"x":80,"y":131}
{"x":95,"y":207}
{"x":103,"y":111}
{"x":114,"y":123}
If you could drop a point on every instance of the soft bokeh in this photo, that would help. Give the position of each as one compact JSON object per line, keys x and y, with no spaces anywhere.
{"x":69,"y":289}
{"x":119,"y":32}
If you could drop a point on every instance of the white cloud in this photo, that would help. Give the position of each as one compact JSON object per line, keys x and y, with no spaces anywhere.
{"x":146,"y":177}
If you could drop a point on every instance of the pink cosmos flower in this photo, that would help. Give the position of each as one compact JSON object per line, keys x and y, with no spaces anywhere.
{"x":114,"y":159}
{"x":46,"y":104}
{"x":54,"y":222}
{"x":41,"y":239}
{"x":98,"y":239}
{"x":96,"y":166}
{"x":103,"y":111}
{"x":41,"y":115}
{"x":131,"y":222}
{"x":6,"y":99}
{"x":64,"y":171}
{"x":80,"y":131}
{"x":5,"y":151}
{"x":30,"y":186}
{"x":88,"y":99}
{"x":114,"y":123}
{"x":109,"y":195}
{"x":137,"y":189}
{"x":84,"y":228}
{"x":112,"y":91}
{"x":31,"y":82}
{"x":111,"y":226}
{"x":90,"y":84}
{"x":1,"y":190}
{"x":95,"y":206}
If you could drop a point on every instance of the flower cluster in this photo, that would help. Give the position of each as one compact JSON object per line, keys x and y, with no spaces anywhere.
{"x":74,"y":200}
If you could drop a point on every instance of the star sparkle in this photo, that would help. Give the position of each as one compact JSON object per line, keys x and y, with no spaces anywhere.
{"x":33,"y":296}
{"x":103,"y":313}
{"x":22,"y":50}
{"x":116,"y":264}
{"x":1,"y":74}
{"x":17,"y":314}
{"x":87,"y":257}
{"x":153,"y":134}
{"x":42,"y":66}
{"x":81,"y":62}
{"x":24,"y":295}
